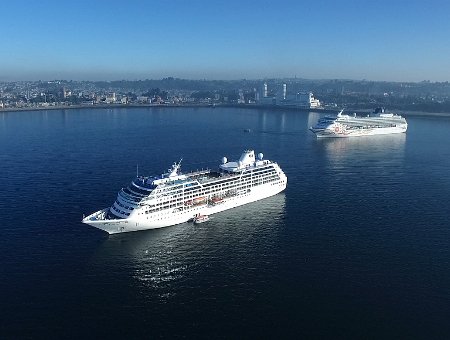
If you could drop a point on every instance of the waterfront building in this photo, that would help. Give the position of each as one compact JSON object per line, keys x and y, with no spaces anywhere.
{"x":307,"y":100}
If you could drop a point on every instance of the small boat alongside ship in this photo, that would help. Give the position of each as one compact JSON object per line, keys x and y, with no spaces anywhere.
{"x":377,"y":123}
{"x":200,"y":219}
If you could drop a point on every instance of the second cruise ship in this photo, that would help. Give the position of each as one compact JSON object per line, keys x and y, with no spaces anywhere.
{"x":377,"y":123}
{"x":172,"y":198}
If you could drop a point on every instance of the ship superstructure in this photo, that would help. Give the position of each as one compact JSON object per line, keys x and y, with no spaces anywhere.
{"x":173,"y":198}
{"x":377,"y":123}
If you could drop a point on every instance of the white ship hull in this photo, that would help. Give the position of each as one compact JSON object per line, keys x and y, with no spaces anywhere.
{"x":328,"y":133}
{"x":172,"y":218}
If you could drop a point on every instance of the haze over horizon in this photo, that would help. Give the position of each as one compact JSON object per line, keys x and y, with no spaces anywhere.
{"x":228,"y":40}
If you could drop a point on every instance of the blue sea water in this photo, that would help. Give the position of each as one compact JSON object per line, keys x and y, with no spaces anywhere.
{"x":358,"y":246}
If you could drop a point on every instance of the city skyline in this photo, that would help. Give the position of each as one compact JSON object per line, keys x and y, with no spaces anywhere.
{"x":110,"y":40}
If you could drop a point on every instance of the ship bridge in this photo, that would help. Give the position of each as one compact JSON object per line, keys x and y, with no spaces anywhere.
{"x":246,"y":160}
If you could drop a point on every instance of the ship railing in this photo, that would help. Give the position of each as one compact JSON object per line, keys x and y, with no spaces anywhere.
{"x":146,"y":186}
{"x":199,"y":172}
{"x":97,"y":216}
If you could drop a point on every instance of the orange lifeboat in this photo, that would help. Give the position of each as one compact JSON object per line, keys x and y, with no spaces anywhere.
{"x":198,"y":200}
{"x":216,"y":200}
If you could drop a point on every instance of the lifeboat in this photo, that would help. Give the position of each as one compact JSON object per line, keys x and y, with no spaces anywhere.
{"x":216,"y":200}
{"x":198,"y":200}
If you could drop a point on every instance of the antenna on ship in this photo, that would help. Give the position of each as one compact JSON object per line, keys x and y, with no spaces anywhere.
{"x":173,"y":171}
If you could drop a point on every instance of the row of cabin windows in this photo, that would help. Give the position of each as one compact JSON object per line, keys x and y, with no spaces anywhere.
{"x":179,"y":202}
{"x":217,"y":189}
{"x":138,"y":191}
{"x":165,"y":206}
{"x":163,"y":214}
{"x":256,"y":173}
{"x":265,"y":170}
{"x":167,"y":193}
{"x":120,"y":211}
{"x":237,"y":178}
{"x":192,"y":188}
{"x":124,"y":206}
{"x":159,"y":209}
{"x":266,"y":179}
{"x":214,"y":189}
{"x":268,"y":173}
{"x":126,"y":196}
{"x":224,"y":181}
{"x":231,"y":185}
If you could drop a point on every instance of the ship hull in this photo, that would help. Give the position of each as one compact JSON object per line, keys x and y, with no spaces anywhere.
{"x":185,"y":215}
{"x":328,"y":133}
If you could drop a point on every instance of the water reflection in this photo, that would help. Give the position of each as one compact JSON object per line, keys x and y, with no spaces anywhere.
{"x":313,"y":117}
{"x":386,"y":147}
{"x":157,"y":259}
{"x":283,"y":121}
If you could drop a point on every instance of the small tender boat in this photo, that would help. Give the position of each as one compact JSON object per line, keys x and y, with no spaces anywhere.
{"x":200,"y":219}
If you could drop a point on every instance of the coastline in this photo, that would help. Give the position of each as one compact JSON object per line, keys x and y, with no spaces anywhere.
{"x":404,"y":113}
{"x":241,"y":106}
{"x":102,"y":106}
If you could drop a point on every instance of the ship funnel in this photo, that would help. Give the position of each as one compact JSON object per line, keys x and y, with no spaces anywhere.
{"x":247,"y":157}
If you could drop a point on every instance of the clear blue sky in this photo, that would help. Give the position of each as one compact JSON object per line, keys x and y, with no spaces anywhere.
{"x":107,"y":40}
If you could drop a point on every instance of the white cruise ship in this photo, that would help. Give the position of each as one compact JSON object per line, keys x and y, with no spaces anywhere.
{"x":172,"y":198}
{"x":377,"y":123}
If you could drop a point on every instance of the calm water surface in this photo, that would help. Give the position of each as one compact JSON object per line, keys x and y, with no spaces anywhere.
{"x":358,"y":246}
